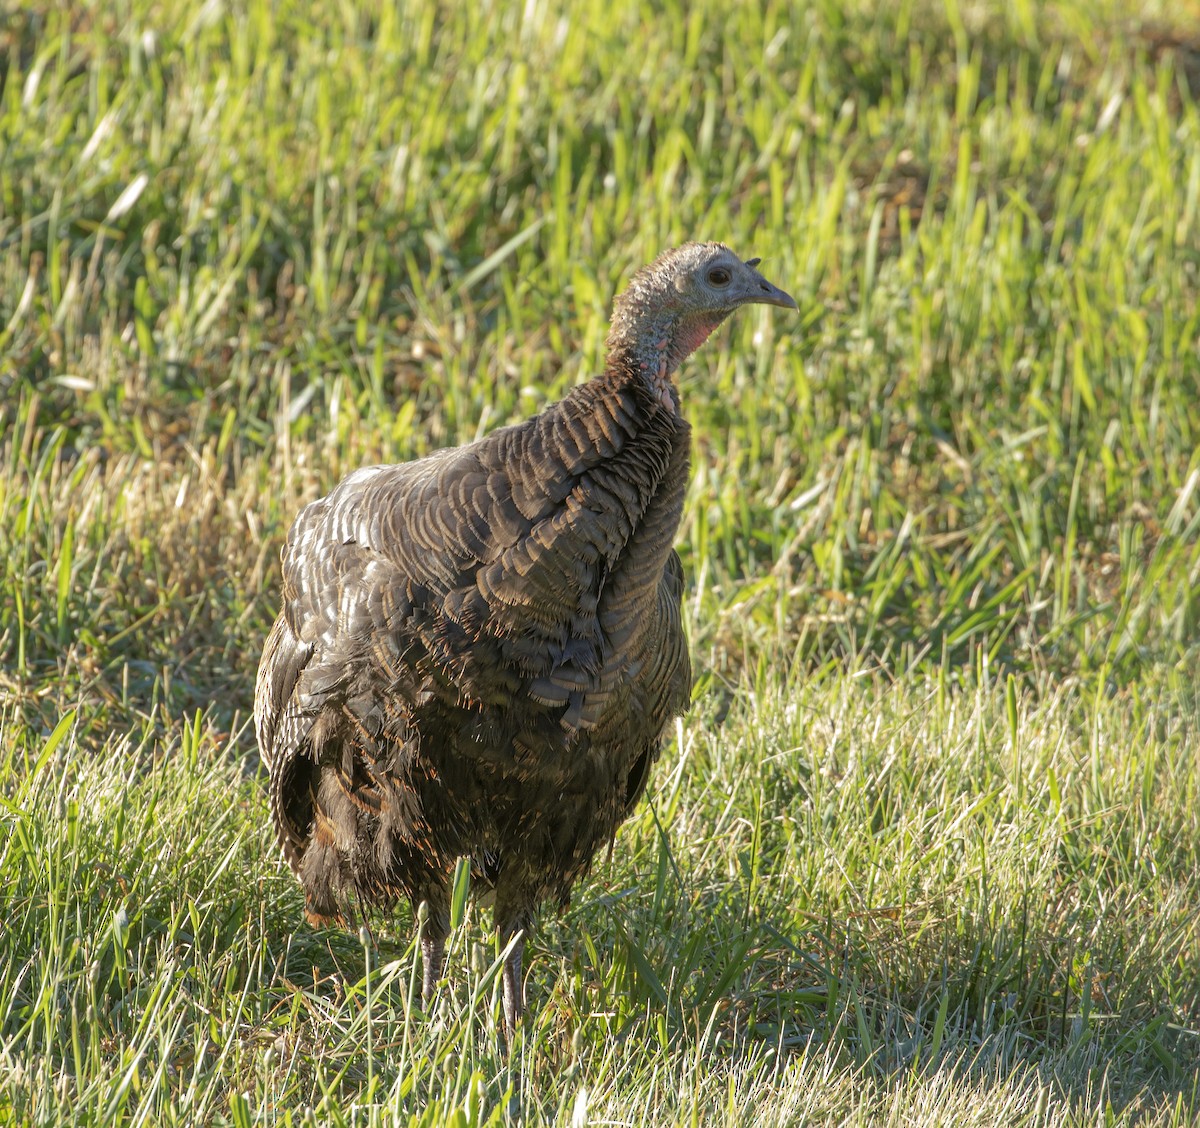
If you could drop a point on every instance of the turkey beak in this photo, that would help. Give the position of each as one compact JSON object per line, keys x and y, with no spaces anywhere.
{"x":755,"y":288}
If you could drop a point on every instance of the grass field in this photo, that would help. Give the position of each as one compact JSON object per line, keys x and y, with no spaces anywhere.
{"x":927,"y":848}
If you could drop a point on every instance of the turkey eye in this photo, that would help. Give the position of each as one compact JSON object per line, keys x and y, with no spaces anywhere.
{"x":719,"y":276}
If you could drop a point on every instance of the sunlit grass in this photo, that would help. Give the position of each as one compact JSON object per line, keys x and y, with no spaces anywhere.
{"x":925,"y":850}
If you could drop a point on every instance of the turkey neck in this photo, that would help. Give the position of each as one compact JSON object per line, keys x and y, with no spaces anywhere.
{"x":649,"y":346}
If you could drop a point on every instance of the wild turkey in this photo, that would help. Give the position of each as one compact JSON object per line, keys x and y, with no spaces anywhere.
{"x":479,"y":651}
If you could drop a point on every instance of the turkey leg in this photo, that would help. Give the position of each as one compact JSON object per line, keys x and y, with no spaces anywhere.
{"x":433,"y":952}
{"x":514,"y":985}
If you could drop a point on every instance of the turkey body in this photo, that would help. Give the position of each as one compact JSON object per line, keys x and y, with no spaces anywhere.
{"x":478,"y":653}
